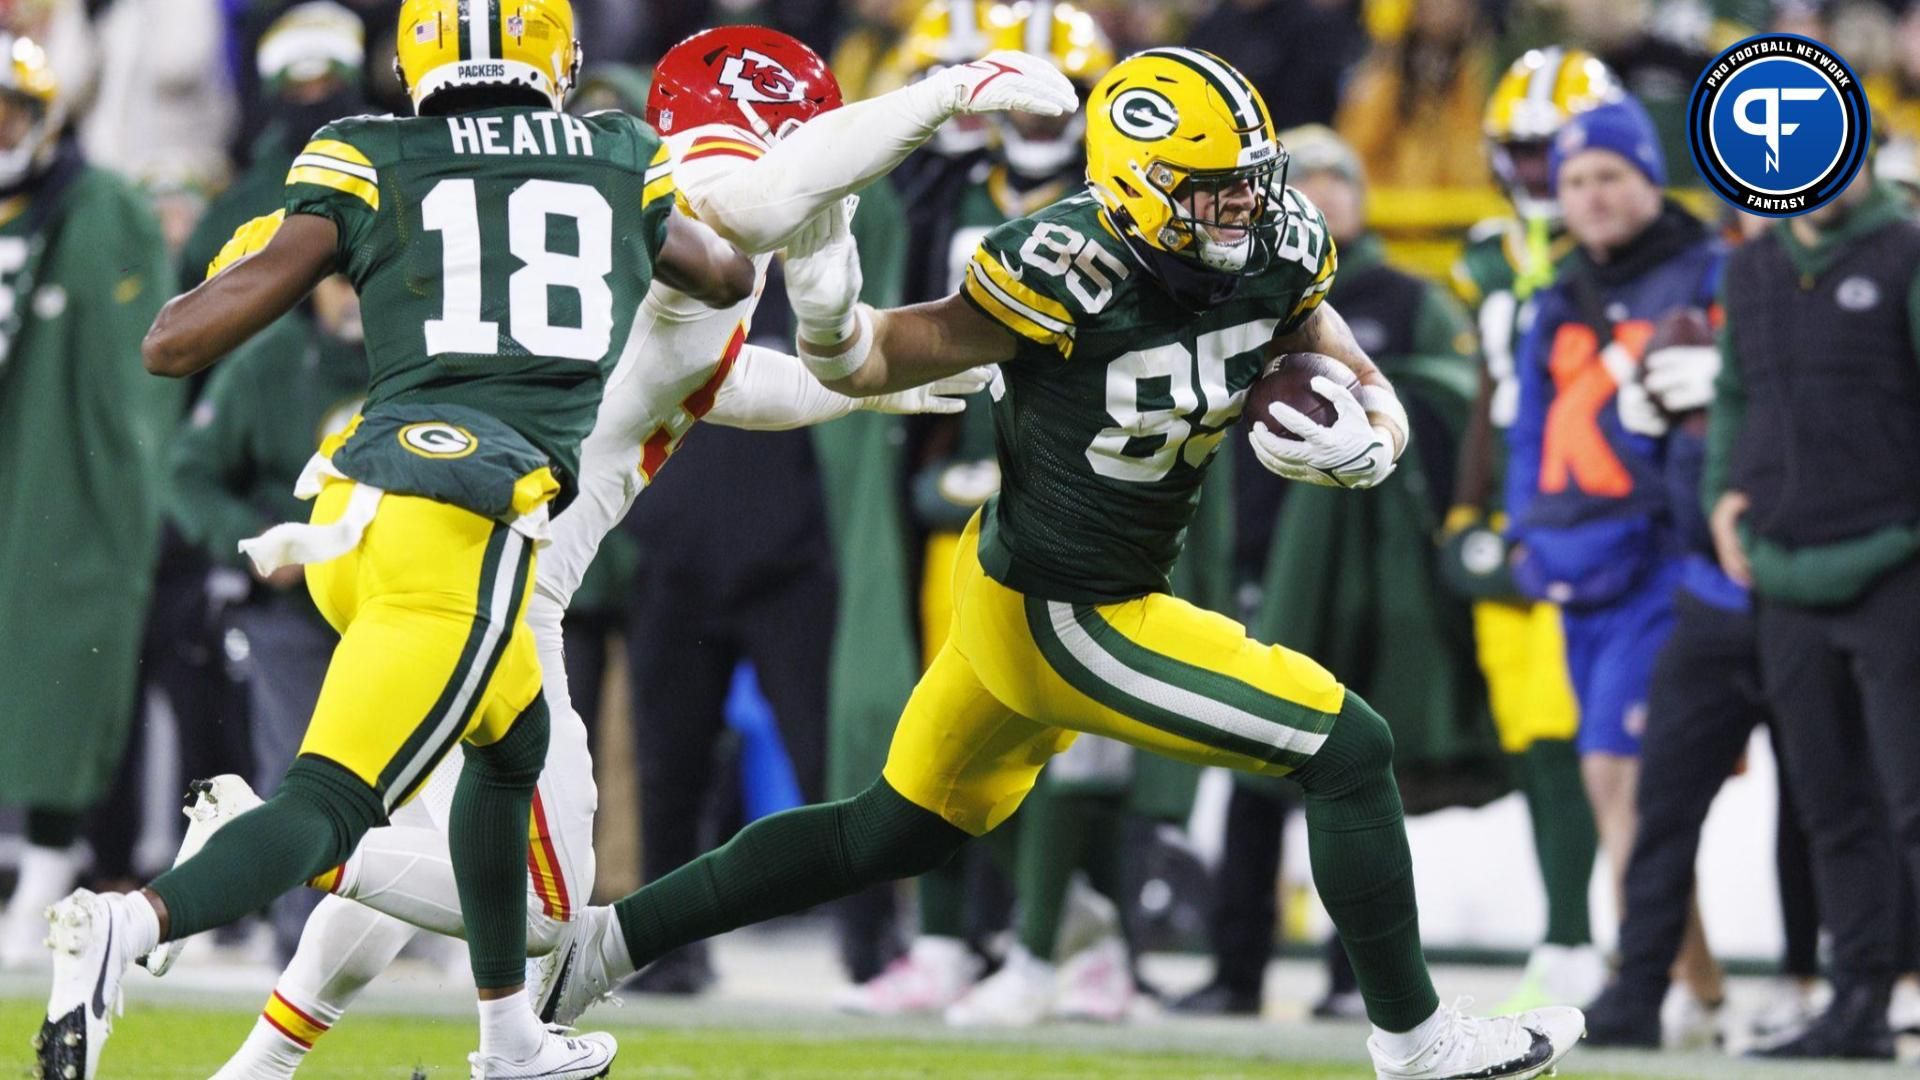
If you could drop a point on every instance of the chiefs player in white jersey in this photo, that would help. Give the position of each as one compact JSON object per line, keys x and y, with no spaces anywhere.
{"x":761,"y":144}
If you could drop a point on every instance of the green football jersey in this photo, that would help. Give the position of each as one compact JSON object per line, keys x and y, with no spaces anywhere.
{"x":1118,"y":396}
{"x":500,"y":256}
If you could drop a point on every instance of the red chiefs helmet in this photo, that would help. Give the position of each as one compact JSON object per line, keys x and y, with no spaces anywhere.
{"x":740,"y":75}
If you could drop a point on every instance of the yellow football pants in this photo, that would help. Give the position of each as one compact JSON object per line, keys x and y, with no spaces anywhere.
{"x":1523,"y":656}
{"x":1019,"y":677}
{"x":434,"y":647}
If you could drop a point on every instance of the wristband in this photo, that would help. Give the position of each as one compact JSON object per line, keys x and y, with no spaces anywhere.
{"x":833,"y":331}
{"x":841,"y":365}
{"x":1385,"y":412}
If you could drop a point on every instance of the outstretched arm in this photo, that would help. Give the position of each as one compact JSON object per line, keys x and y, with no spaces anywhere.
{"x":906,"y":347}
{"x":248,"y":291}
{"x":761,"y":205}
{"x":772,"y":391}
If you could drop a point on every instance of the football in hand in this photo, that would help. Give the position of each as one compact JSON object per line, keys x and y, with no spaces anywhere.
{"x":1683,"y":326}
{"x":1288,"y":379}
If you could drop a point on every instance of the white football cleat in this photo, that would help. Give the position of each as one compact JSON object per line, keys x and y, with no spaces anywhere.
{"x":89,"y":941}
{"x":1020,"y":994}
{"x":210,"y":805}
{"x":1687,"y":1023}
{"x":1514,"y":1047}
{"x":934,"y":973}
{"x":572,"y":977}
{"x":1096,"y":984}
{"x":563,"y":1055}
{"x":46,"y":875}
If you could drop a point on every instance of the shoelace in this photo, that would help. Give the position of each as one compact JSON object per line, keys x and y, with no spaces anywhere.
{"x":1463,"y":1033}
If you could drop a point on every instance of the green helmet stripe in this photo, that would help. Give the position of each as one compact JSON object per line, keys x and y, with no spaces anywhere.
{"x":1248,"y":110}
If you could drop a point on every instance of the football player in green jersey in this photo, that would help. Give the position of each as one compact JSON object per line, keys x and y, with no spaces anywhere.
{"x":1128,"y":324}
{"x":501,"y":249}
{"x":1522,"y":650}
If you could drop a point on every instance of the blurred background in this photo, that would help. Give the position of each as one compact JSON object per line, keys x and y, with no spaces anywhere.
{"x":748,"y":637}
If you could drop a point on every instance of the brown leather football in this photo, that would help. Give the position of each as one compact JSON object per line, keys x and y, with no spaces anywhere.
{"x":1288,"y":379}
{"x":1681,"y":326}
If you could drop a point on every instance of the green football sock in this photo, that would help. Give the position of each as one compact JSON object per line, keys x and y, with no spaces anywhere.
{"x":311,"y":824}
{"x":1564,"y":837}
{"x":785,"y":863}
{"x":1357,"y":843}
{"x":489,"y":846}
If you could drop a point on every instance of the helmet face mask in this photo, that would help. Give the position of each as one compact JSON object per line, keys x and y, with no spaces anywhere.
{"x":1223,"y":219}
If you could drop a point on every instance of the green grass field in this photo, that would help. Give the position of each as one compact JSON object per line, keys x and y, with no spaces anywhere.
{"x":189,"y":1044}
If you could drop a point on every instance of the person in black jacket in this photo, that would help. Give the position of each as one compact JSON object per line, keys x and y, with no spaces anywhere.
{"x":1815,"y":504}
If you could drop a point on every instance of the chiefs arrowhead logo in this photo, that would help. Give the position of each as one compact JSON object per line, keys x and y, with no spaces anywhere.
{"x":756,"y":77}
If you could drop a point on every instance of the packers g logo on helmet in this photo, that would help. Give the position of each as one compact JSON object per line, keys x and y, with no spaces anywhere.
{"x":1181,"y":152}
{"x":454,"y":44}
{"x":1144,"y":114}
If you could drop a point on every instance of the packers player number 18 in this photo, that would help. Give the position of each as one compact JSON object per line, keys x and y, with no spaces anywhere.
{"x":452,"y":210}
{"x":1181,"y":386}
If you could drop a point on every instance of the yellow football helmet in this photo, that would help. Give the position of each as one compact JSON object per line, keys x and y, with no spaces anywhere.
{"x":27,"y":76}
{"x":1036,"y":146}
{"x":1540,"y":92}
{"x":1166,"y":126}
{"x":454,"y":44}
{"x":1062,"y":33}
{"x":944,"y":33}
{"x":949,"y":32}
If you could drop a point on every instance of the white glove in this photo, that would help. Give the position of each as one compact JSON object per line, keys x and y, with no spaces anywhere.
{"x":823,"y":274}
{"x":1638,"y":411}
{"x":1001,"y":81}
{"x":1352,"y":453}
{"x":1680,"y":377}
{"x":946,"y":395}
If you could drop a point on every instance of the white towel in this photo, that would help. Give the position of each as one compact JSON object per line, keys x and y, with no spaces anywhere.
{"x":299,"y":542}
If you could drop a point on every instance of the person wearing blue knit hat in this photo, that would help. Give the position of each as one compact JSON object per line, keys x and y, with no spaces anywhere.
{"x":1621,"y":126}
{"x":1587,"y":489}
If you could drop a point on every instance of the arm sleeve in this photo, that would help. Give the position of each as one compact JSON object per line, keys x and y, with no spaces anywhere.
{"x":772,"y":391}
{"x":334,"y":177}
{"x":1530,"y":422}
{"x":207,"y":463}
{"x":1724,"y":419}
{"x":760,"y":205}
